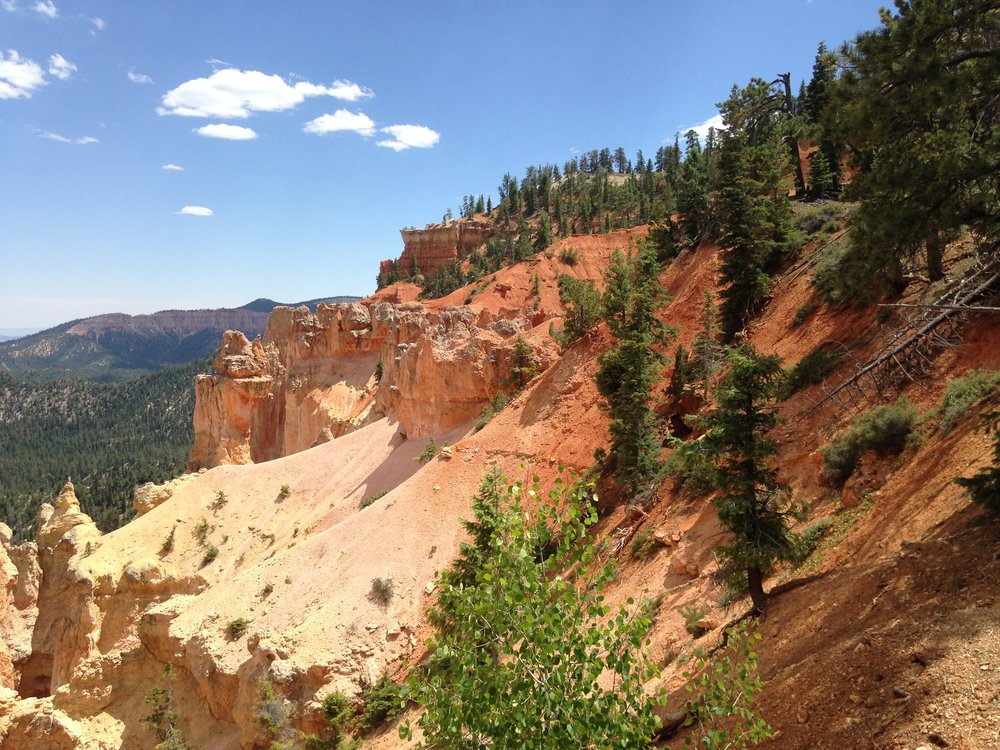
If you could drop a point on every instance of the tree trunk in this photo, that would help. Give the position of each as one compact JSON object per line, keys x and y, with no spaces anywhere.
{"x":793,"y":142}
{"x":757,"y":595}
{"x":935,"y":256}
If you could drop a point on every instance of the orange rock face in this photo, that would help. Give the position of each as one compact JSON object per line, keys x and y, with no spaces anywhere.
{"x":313,"y":377}
{"x":435,"y":245}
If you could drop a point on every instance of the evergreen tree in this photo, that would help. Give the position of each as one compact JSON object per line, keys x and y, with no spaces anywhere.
{"x":707,"y":354}
{"x":918,"y":106}
{"x":824,"y":169}
{"x":581,"y":309}
{"x":628,"y":372}
{"x":544,"y":238}
{"x":755,"y":215}
{"x":750,"y":504}
{"x":693,"y":193}
{"x":822,"y":180}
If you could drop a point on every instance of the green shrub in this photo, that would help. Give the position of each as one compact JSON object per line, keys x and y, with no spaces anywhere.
{"x":430,"y":451}
{"x":836,"y":279}
{"x":824,"y":217}
{"x":284,"y":492}
{"x":643,"y":545}
{"x":884,"y":429}
{"x":802,"y":312}
{"x":692,"y":467}
{"x":984,"y":486}
{"x":651,"y":607}
{"x":383,"y":702}
{"x":210,"y":554}
{"x":569,"y":255}
{"x":961,"y":394}
{"x":168,"y":544}
{"x":201,"y":531}
{"x":220,"y":500}
{"x":809,"y":539}
{"x":268,"y":588}
{"x":809,"y":370}
{"x":370,"y":499}
{"x":381,"y":591}
{"x":236,"y":628}
{"x":692,"y":616}
{"x":379,"y":370}
{"x":484,"y":417}
{"x":273,"y":711}
{"x":499,"y":401}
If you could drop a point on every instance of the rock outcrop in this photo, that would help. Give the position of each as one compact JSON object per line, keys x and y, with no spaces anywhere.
{"x":147,"y":496}
{"x":313,"y":376}
{"x":436,"y":245}
{"x":63,"y":627}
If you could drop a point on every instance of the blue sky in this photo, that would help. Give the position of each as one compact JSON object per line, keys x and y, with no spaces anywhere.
{"x":313,"y":131}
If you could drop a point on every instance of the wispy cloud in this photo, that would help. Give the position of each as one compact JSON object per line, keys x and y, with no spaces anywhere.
{"x":99,"y":23}
{"x":19,"y":76}
{"x":9,"y":5}
{"x":82,"y":141}
{"x":409,"y":136}
{"x":340,"y":121}
{"x":232,"y":94}
{"x":173,"y":167}
{"x":60,"y":67}
{"x":45,"y":8}
{"x":348,"y":91}
{"x":136,"y":77}
{"x":227,"y":132}
{"x":195,"y":211}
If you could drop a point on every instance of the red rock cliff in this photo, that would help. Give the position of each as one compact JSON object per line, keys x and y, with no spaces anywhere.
{"x":438,"y":244}
{"x":313,"y":377}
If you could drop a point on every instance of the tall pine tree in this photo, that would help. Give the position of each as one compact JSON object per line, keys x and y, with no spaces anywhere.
{"x":628,"y":372}
{"x":750,"y":502}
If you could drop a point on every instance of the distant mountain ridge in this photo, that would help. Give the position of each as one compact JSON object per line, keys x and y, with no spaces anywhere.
{"x":117,"y":346}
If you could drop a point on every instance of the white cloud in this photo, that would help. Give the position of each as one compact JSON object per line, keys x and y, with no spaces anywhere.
{"x":348,"y":91}
{"x":195,"y":211}
{"x":46,"y":8}
{"x":342,"y":120}
{"x":9,"y":5}
{"x":99,"y":23}
{"x":19,"y":76}
{"x":63,"y":139}
{"x":702,"y":128}
{"x":228,"y":132}
{"x":233,"y":93}
{"x":409,"y":136}
{"x":60,"y":67}
{"x":135,"y":77}
{"x":173,"y":167}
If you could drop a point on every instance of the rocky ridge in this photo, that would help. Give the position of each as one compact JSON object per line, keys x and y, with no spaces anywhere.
{"x":313,"y":376}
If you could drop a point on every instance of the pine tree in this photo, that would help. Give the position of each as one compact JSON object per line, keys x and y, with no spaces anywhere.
{"x":755,"y":216}
{"x":628,"y":372}
{"x":824,"y":169}
{"x":750,"y":503}
{"x":917,"y":104}
{"x":693,"y":193}
{"x":544,"y":238}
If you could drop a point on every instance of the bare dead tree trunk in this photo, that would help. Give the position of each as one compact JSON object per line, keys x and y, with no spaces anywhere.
{"x":793,"y":142}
